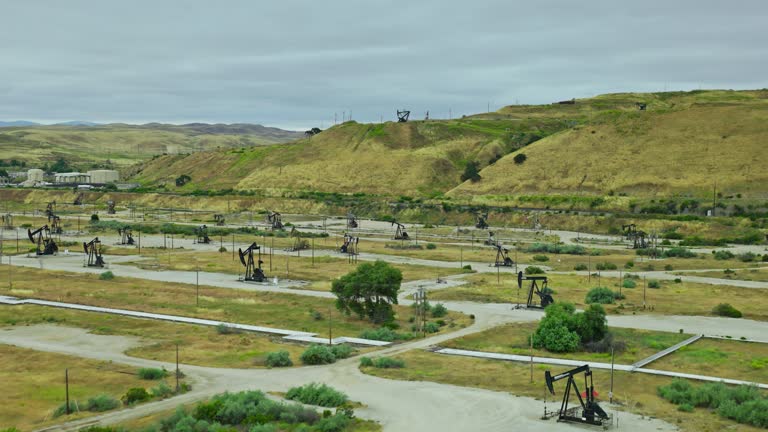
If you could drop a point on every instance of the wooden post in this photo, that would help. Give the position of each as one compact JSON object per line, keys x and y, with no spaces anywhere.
{"x":330,"y":325}
{"x":177,"y":367}
{"x":531,"y":358}
{"x":610,"y":394}
{"x":66,"y":389}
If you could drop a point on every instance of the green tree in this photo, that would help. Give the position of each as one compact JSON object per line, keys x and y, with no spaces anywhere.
{"x":369,"y":291}
{"x":471,"y":172}
{"x":3,"y":173}
{"x":591,"y":325}
{"x":60,"y":166}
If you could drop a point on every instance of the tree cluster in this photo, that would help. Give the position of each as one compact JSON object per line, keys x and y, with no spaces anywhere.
{"x":369,"y":291}
{"x":564,"y":330}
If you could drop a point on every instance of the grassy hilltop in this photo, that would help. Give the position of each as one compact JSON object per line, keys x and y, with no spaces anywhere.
{"x":123,"y":145}
{"x":604,"y":145}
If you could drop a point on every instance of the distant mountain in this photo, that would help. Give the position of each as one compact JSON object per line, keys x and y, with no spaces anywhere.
{"x":77,"y":123}
{"x":18,"y":123}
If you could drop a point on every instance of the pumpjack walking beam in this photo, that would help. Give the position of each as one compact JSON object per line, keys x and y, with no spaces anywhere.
{"x":93,"y":250}
{"x":41,"y":237}
{"x":591,"y":412}
{"x":545,"y":298}
{"x":253,"y":271}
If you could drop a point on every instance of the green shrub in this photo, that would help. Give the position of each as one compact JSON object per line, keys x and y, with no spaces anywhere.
{"x":723,"y":255}
{"x":601,"y":295}
{"x":366,"y":362}
{"x":317,"y":394}
{"x":162,"y":391}
{"x":102,"y":403}
{"x":431,"y":246}
{"x":685,"y":407}
{"x":222,"y":249}
{"x":743,"y":404}
{"x":555,"y":248}
{"x":224,"y":329}
{"x":605,"y":266}
{"x":628,"y":283}
{"x":152,"y":373}
{"x":107,"y":275}
{"x":746,"y":257}
{"x":467,"y":267}
{"x":679,"y":252}
{"x":439,"y":310}
{"x":318,"y":355}
{"x":726,"y":310}
{"x":541,"y":258}
{"x":532,"y":270}
{"x":279,"y":359}
{"x":653,"y":283}
{"x":580,"y":267}
{"x":334,"y":423}
{"x":342,"y":351}
{"x":385,"y":334}
{"x":135,"y":395}
{"x":388,"y":363}
{"x":629,"y":264}
{"x":62,"y":409}
{"x":520,"y":158}
{"x":431,"y":327}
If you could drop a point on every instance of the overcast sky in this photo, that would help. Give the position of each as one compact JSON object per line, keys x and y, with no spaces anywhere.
{"x":294,"y":64}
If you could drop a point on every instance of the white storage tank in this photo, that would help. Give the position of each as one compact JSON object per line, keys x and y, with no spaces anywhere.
{"x":35,"y":175}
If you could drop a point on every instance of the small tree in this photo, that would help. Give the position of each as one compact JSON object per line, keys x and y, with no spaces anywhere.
{"x":182,"y":180}
{"x":471,"y":172}
{"x":369,"y":291}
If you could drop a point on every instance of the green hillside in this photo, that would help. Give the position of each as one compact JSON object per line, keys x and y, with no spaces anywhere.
{"x":88,"y":146}
{"x":680,"y":145}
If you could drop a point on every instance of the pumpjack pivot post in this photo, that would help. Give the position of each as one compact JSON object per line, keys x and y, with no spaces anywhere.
{"x":400,"y":233}
{"x":41,"y":238}
{"x":93,"y":250}
{"x":591,"y":412}
{"x":253,"y":271}
{"x":502,"y":257}
{"x":541,"y":291}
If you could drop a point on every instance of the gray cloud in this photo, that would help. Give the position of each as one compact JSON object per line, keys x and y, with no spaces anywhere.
{"x":295,"y":63}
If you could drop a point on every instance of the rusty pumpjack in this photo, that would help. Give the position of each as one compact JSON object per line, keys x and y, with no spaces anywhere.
{"x":591,"y":413}
{"x":400,"y":233}
{"x":544,"y":293}
{"x":78,"y":200}
{"x":253,"y":272}
{"x":481,"y":220}
{"x":299,"y":243}
{"x":502,"y":257}
{"x":41,"y":237}
{"x":638,"y":238}
{"x":350,"y":244}
{"x":202,"y":234}
{"x":352,"y":221}
{"x":275,"y":219}
{"x":93,"y":250}
{"x":126,"y":236}
{"x":219,"y":219}
{"x":111,"y":207}
{"x":55,"y":222}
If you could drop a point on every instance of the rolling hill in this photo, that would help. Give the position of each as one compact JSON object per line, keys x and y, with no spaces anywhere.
{"x":680,"y":145}
{"x":85,"y":146}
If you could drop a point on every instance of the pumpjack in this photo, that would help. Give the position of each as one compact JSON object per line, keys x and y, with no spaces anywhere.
{"x":544,"y":293}
{"x":299,"y":243}
{"x":49,"y":209}
{"x":253,"y":271}
{"x":591,"y":412}
{"x":126,"y":236}
{"x":202,"y":234}
{"x":7,"y":221}
{"x":78,"y":200}
{"x":219,"y":219}
{"x":502,"y":257}
{"x":351,"y":221}
{"x":111,"y":207}
{"x":41,"y":237}
{"x":55,"y":224}
{"x":638,"y":238}
{"x":350,"y":244}
{"x":93,"y":250}
{"x":491,"y":240}
{"x":275,"y":219}
{"x":402,"y":116}
{"x":400,"y":233}
{"x":482,"y":220}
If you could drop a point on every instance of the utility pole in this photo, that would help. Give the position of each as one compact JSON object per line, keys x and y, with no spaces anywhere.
{"x":66,"y":389}
{"x":610,"y":394}
{"x":330,"y":325}
{"x":233,"y":246}
{"x":531,"y":358}
{"x":313,"y":252}
{"x":197,"y":284}
{"x":177,"y":367}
